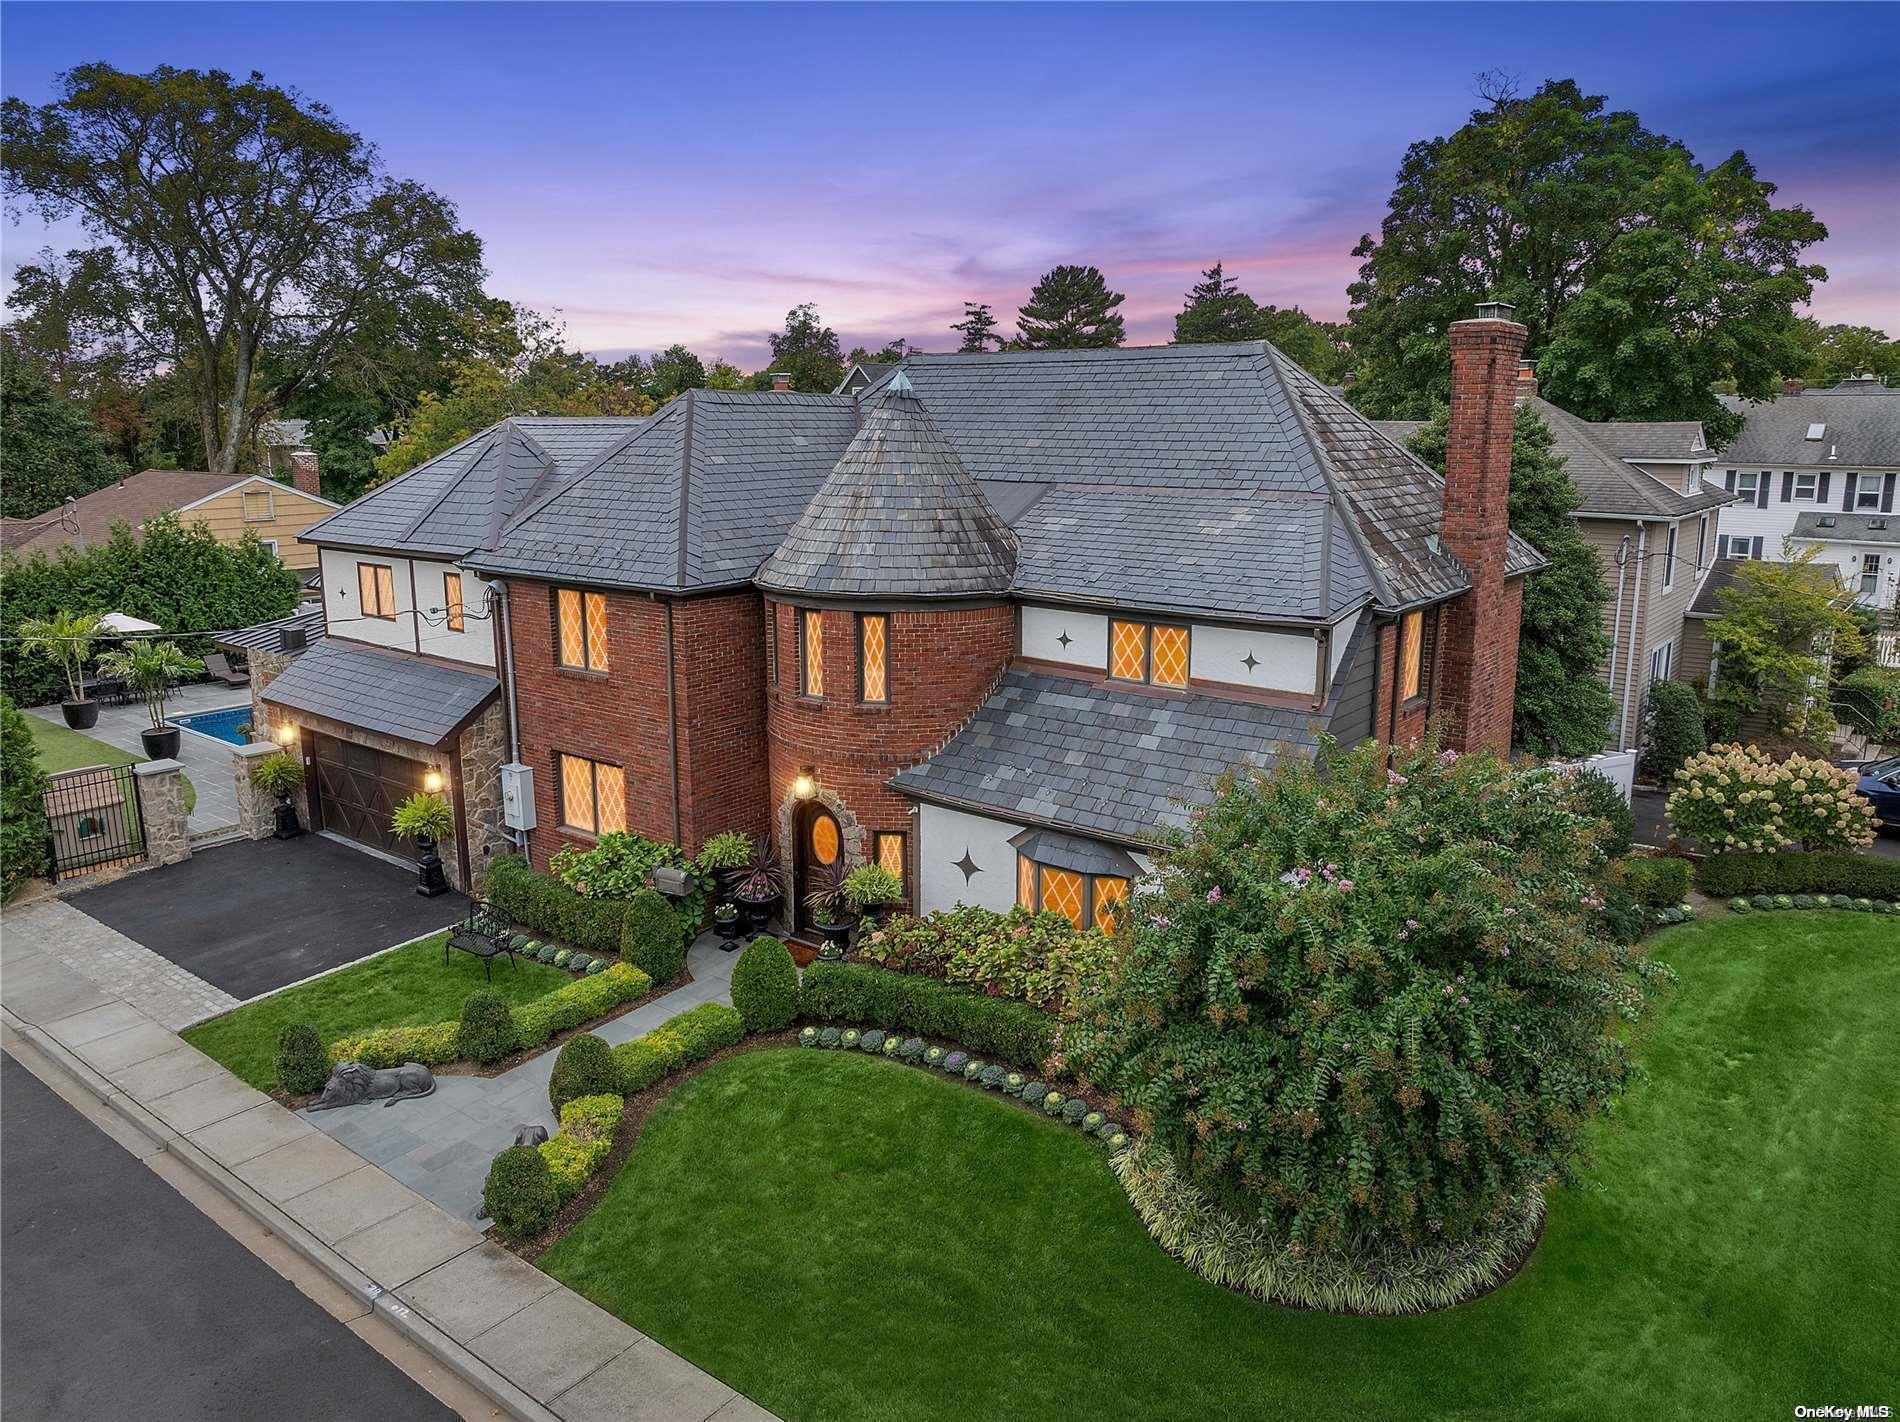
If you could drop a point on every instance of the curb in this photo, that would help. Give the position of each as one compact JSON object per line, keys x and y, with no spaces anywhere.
{"x":386,"y":1303}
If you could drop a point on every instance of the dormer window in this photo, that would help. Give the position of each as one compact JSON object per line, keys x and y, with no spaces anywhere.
{"x":1150,"y":652}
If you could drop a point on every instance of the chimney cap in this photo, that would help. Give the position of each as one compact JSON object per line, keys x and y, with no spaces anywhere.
{"x":1496,"y":311}
{"x":781,"y":380}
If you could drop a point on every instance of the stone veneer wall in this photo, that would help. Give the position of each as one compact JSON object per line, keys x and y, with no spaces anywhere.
{"x":161,"y":790}
{"x":484,"y":749}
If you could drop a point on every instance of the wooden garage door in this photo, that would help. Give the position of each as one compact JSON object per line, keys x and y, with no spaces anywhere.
{"x":358,"y":789}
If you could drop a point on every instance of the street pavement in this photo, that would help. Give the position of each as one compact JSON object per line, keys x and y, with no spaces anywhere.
{"x":122,"y":1301}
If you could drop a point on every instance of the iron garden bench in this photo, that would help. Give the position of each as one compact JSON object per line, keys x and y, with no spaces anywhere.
{"x":485,"y":934}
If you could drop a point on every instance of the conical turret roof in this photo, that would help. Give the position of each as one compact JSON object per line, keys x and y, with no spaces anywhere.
{"x":899,"y":516}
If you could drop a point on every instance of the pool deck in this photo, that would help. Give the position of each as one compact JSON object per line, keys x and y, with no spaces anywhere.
{"x":207,"y":759}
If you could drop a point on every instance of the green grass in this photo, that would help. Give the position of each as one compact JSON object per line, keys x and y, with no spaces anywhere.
{"x":844,"y":1237}
{"x":62,"y":748}
{"x":410,"y":987}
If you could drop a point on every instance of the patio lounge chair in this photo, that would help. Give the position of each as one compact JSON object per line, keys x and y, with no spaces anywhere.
{"x":219,"y":666}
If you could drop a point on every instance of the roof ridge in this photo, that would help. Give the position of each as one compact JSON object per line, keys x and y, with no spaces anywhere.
{"x":587,"y":470}
{"x":403,"y":477}
{"x":494,"y":434}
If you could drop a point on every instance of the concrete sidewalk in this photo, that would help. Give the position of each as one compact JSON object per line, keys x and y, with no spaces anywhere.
{"x":536,"y":1348}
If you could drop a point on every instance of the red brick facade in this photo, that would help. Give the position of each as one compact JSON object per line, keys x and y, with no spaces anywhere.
{"x":1477,"y":657}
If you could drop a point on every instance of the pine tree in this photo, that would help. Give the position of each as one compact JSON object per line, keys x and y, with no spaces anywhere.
{"x":1217,"y":310}
{"x":1071,"y":308}
{"x":978,"y":326}
{"x":1563,"y":705}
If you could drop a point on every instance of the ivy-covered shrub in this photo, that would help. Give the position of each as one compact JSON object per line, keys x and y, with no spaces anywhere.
{"x":651,"y":937}
{"x":993,"y":1026}
{"x":549,"y":908}
{"x":302,"y":1064}
{"x":1655,"y":881}
{"x":519,"y":1194}
{"x":1365,"y":1006}
{"x":1041,"y":959}
{"x":431,"y":1045}
{"x":1740,"y":798}
{"x":486,"y":1032}
{"x":690,"y":1037}
{"x":1860,"y":875}
{"x":579,"y":1001}
{"x":1596,"y":795}
{"x":1672,"y":727}
{"x":765,"y":985}
{"x":23,"y":829}
{"x":619,"y":866}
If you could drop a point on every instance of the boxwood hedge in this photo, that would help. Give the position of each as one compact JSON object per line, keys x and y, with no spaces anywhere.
{"x":990,"y":1027}
{"x":1858,"y":876}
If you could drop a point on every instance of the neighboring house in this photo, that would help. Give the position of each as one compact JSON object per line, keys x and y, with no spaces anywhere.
{"x":1821,"y":467}
{"x":997,"y":622}
{"x":395,"y":685}
{"x":1653,"y":516}
{"x":230,"y":505}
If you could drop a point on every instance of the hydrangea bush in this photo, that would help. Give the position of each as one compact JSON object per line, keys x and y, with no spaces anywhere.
{"x":1367,"y":1006}
{"x":1740,"y":798}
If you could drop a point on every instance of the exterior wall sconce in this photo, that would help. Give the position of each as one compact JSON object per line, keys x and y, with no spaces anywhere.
{"x":286,"y":733}
{"x":805,"y":784}
{"x":432,"y":782}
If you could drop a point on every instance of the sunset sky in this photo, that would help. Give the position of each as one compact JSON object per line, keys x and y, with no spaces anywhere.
{"x":688,"y":173}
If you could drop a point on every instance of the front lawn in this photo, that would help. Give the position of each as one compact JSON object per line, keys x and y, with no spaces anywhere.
{"x":844,"y":1237}
{"x":406,"y":988}
{"x":62,"y":748}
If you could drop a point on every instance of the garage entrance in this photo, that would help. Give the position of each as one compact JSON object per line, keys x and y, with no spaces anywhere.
{"x":358,"y":789}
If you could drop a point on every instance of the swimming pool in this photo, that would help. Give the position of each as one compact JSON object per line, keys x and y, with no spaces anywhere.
{"x":222,"y":725}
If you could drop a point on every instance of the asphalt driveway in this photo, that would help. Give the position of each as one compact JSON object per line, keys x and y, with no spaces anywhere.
{"x":253,"y":916}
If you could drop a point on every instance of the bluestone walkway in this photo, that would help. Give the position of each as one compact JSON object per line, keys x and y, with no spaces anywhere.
{"x":441,"y":1145}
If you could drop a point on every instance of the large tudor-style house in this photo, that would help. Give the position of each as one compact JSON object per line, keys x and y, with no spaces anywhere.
{"x":993,"y":621}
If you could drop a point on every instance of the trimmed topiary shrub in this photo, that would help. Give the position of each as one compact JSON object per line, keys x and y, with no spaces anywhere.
{"x":431,"y":1045}
{"x":519,"y":1194}
{"x":992,"y":1027}
{"x":651,"y":939}
{"x":579,"y":1001}
{"x":549,"y":909}
{"x":302,"y":1064}
{"x":1795,"y":871}
{"x":486,"y":1031}
{"x":765,"y":985}
{"x":1654,"y":881}
{"x":584,"y":1067}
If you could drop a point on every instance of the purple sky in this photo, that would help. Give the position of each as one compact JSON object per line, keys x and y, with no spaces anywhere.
{"x":690,"y":172}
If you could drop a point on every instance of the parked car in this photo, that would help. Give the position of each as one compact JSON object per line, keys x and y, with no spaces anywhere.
{"x":1880,"y":783}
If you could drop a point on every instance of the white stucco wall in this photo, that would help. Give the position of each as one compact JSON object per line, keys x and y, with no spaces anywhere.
{"x":943,"y":838}
{"x":1283,"y":661}
{"x":474,"y":644}
{"x":1044,"y":627}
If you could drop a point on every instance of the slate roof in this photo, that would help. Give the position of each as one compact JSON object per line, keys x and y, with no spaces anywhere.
{"x":1848,"y":527}
{"x":267,"y":636}
{"x":391,"y":693}
{"x":1098,"y":760}
{"x":898,"y":516}
{"x":459,"y":501}
{"x":1861,"y":430}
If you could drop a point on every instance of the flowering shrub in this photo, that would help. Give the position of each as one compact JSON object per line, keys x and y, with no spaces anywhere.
{"x":617,"y":868}
{"x":1366,"y":1006}
{"x":1041,"y":959}
{"x":1741,"y":798}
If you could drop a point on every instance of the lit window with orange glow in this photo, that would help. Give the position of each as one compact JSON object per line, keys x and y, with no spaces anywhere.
{"x":1109,"y":894}
{"x":452,"y":600}
{"x":873,"y":658}
{"x":1170,"y":660}
{"x":811,"y":654}
{"x":593,"y":795}
{"x":582,"y":631}
{"x":1411,"y":643}
{"x":1128,"y":651}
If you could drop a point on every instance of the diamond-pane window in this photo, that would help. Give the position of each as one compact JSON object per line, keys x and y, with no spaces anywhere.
{"x":573,"y":639}
{"x":1109,"y":893}
{"x":610,"y":790}
{"x":1062,"y":893}
{"x":812,"y":658}
{"x":890,"y":852}
{"x":452,"y":600}
{"x":1411,"y":639}
{"x":577,"y":792}
{"x":873,"y":669}
{"x":1026,"y":882}
{"x":1128,"y":651}
{"x":1171,"y":656}
{"x":597,"y":631}
{"x":582,"y":629}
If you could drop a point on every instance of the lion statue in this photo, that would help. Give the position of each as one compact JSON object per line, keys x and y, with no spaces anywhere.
{"x":352,"y":1083}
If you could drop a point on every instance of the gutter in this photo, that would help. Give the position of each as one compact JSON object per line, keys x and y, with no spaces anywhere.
{"x":1616,"y":632}
{"x":506,"y":633}
{"x":1636,"y":614}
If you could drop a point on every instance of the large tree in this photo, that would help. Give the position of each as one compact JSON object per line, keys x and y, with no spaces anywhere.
{"x":1548,"y":200}
{"x":807,"y":350}
{"x":1834,"y":353}
{"x":52,"y":449}
{"x":242,"y":233}
{"x":1071,"y":308}
{"x":978,"y":327}
{"x":673,"y":372}
{"x":1218,"y":310}
{"x":1563,"y":705}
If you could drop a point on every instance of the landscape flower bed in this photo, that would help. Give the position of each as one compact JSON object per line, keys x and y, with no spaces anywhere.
{"x":861,"y":995}
{"x":1038,"y":958}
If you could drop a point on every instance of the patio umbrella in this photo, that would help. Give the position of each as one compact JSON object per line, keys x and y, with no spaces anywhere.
{"x":124,"y":622}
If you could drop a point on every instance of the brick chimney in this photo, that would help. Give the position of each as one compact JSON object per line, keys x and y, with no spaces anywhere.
{"x":1526,"y":382}
{"x":1793,"y":387}
{"x":304,"y":473}
{"x":1478,"y":631}
{"x":781,"y":380}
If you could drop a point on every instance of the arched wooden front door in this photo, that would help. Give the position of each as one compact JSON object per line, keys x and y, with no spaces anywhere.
{"x":820,"y":845}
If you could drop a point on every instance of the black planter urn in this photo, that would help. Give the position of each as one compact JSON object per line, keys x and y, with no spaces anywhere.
{"x":836,"y":936}
{"x":728,"y":930}
{"x":756,"y":913}
{"x":287,"y":826}
{"x":160,"y":742}
{"x":80,"y":715}
{"x":430,"y":880}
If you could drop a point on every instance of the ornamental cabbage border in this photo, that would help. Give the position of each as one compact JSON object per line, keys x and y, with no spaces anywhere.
{"x":1366,"y":1005}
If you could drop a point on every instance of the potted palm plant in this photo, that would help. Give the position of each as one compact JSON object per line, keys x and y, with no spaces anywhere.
{"x":758,"y":893}
{"x":67,"y":638}
{"x":149,"y":669}
{"x":830,"y":905}
{"x":427,"y":819}
{"x":281,"y":774}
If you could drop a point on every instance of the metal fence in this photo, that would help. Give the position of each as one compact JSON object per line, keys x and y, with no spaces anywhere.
{"x":94,"y":819}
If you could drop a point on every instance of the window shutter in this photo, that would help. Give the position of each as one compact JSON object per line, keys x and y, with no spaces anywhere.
{"x":1847,"y":502}
{"x":1820,"y":488}
{"x":1886,"y":496}
{"x":1761,"y":489}
{"x":1756,"y":546}
{"x":1731,"y":481}
{"x":1721,"y":546}
{"x":1787,"y":485}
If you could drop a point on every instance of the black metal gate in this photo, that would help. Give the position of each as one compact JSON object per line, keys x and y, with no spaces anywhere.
{"x":94,"y":819}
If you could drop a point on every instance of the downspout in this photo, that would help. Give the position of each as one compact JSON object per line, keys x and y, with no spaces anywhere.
{"x":672,"y":724}
{"x":507,"y":636}
{"x":1616,"y":633}
{"x":1636,"y":622}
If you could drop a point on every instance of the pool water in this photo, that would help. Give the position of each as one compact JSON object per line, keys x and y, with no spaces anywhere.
{"x":221,"y":724}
